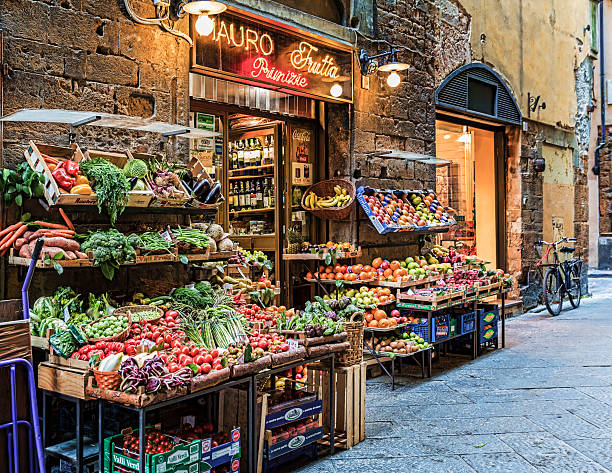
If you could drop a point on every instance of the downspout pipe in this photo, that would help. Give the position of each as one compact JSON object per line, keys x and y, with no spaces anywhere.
{"x":602,"y":80}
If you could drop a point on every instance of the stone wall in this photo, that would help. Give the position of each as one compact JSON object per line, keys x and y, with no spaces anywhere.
{"x":605,"y":186}
{"x":88,"y":55}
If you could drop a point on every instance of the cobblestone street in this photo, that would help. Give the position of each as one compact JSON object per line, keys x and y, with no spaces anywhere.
{"x":543,"y":404}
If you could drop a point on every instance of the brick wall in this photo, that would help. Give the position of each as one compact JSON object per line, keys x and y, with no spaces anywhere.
{"x":87,"y":55}
{"x":605,"y":187}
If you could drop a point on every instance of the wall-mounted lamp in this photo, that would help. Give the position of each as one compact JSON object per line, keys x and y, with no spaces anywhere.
{"x":385,"y":62}
{"x":534,"y":104}
{"x":539,"y":164}
{"x":204,"y":9}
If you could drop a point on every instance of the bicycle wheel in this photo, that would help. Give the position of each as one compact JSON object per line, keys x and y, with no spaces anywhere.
{"x":552,"y":291}
{"x":574,"y":291}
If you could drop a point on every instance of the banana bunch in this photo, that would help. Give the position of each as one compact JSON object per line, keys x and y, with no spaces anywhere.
{"x":439,"y":251}
{"x":313,"y":201}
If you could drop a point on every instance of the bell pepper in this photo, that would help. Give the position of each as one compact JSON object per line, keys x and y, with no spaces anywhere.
{"x":63,"y":179}
{"x":71,"y":167}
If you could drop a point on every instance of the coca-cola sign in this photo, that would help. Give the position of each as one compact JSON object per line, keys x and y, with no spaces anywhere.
{"x":261,"y":52}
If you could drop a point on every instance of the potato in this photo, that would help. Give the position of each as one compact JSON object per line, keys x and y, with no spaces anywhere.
{"x":394,"y":345}
{"x":402,"y":351}
{"x":384,"y":343}
{"x":378,"y":347}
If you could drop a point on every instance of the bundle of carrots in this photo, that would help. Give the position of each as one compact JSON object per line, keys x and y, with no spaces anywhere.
{"x":57,"y":238}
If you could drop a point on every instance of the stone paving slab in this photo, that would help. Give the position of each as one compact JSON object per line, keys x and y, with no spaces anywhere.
{"x":602,"y":394}
{"x":490,"y":409}
{"x":549,"y":454}
{"x":569,"y":426}
{"x":599,"y":450}
{"x":452,"y":464}
{"x":499,"y":463}
{"x":536,"y":394}
{"x":491,"y":425}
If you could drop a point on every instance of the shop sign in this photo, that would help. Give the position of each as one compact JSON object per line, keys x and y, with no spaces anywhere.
{"x":267,"y":54}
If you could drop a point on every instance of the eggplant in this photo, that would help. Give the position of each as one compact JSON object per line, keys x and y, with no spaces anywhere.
{"x":214,"y":194}
{"x":133,"y":182}
{"x":187,"y":186}
{"x":201,"y":189}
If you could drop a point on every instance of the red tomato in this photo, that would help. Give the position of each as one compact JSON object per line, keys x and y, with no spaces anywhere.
{"x":194,"y":351}
{"x":199,"y":360}
{"x":173,"y":367}
{"x":159,"y":340}
{"x":206,"y":368}
{"x":171,"y":313}
{"x":208,"y":359}
{"x":176,"y":344}
{"x":214,"y":353}
{"x":185,"y":350}
{"x":263,"y":344}
{"x":168,"y":338}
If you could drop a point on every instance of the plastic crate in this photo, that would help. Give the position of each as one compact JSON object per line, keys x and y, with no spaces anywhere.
{"x":441,"y":328}
{"x":489,"y":314}
{"x":454,"y":325}
{"x":468,"y":322}
{"x":422,"y":330}
{"x":488,"y":332}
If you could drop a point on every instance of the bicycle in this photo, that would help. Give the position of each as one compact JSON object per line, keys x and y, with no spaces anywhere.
{"x":560,"y":277}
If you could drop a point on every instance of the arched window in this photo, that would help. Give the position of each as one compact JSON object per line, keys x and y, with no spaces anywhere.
{"x":479,"y":90}
{"x":332,"y":10}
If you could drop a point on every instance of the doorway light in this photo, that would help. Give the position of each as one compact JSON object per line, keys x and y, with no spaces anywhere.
{"x":204,"y":9}
{"x":447,"y":137}
{"x":465,"y":138}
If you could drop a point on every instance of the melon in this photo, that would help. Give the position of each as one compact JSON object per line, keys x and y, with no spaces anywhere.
{"x":226,"y":245}
{"x":215,"y":231}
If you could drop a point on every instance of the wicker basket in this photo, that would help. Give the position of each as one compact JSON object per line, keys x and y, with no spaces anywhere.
{"x":120,"y":337}
{"x":109,"y":380}
{"x":157,"y":287}
{"x":134,"y":309}
{"x":354,"y":354}
{"x":326,"y":188}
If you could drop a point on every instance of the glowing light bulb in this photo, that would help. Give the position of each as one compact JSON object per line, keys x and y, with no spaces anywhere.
{"x":394,"y":79}
{"x":204,"y":25}
{"x":336,"y":90}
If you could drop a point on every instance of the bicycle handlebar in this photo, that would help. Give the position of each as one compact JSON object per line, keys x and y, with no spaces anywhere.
{"x":562,"y":240}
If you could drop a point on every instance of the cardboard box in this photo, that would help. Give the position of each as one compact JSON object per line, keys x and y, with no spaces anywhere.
{"x":222,"y":454}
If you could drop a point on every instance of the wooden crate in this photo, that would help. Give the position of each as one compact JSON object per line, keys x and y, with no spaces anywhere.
{"x":14,"y":331}
{"x":120,"y":159}
{"x":53,"y":195}
{"x":63,"y":380}
{"x":350,"y":387}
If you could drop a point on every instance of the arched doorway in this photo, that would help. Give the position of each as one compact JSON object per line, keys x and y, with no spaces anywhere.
{"x":475,"y":111}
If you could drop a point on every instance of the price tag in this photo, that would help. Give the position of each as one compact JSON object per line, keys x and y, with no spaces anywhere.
{"x":228,"y":287}
{"x":190,"y":286}
{"x":293,"y":344}
{"x":66,"y":314}
{"x":166,"y":236}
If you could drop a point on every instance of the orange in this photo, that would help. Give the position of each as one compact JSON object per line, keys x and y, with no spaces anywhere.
{"x":384,"y":323}
{"x":308,"y":275}
{"x":357,"y":268}
{"x":329,"y":269}
{"x":379,"y":314}
{"x":339,"y":276}
{"x":367,"y":268}
{"x":281,"y":308}
{"x":387,"y":272}
{"x":343,"y":269}
{"x":373,"y":323}
{"x":377,"y":262}
{"x":381,"y":277}
{"x":394,"y":265}
{"x":323,"y":276}
{"x":337,"y":269}
{"x":321,"y":269}
{"x":368,"y":316}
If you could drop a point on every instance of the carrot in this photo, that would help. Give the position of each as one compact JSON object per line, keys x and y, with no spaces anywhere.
{"x":51,"y":225}
{"x":11,"y":228}
{"x":15,"y":235}
{"x":6,"y":238}
{"x":49,"y":159}
{"x":57,"y":232}
{"x":66,"y":219}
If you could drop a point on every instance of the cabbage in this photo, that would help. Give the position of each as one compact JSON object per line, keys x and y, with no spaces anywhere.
{"x":44,"y":307}
{"x":135,"y":168}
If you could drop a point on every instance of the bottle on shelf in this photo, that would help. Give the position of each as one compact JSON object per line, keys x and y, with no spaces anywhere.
{"x":240,"y":154}
{"x":271,"y":150}
{"x":259,"y":192}
{"x":258,"y":161}
{"x":266,"y":151}
{"x":233,"y":157}
{"x":271,"y":196}
{"x":253,"y":196}
{"x":230,"y":198}
{"x":242,"y":196}
{"x":265,"y":194}
{"x":230,"y":162}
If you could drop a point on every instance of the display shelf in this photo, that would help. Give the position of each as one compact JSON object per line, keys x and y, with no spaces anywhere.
{"x":251,"y":168}
{"x":392,"y":355}
{"x":383,"y":330}
{"x":333,"y":281}
{"x":140,"y":260}
{"x":252,"y":211}
{"x":260,"y":176}
{"x":134,"y":210}
{"x":409,"y":283}
{"x":321,"y":256}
